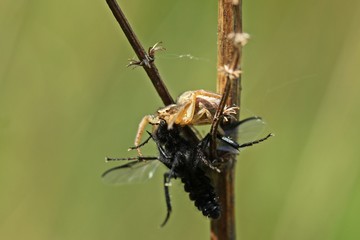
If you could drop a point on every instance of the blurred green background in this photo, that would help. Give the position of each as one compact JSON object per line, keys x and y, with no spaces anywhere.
{"x":67,"y":101}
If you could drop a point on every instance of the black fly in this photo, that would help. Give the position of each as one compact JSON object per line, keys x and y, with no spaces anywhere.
{"x":185,"y":161}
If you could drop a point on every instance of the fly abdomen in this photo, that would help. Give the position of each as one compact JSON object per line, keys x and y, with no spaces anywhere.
{"x":203,"y":194}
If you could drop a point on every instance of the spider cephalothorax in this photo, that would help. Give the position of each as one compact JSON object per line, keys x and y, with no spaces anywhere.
{"x":191,"y":108}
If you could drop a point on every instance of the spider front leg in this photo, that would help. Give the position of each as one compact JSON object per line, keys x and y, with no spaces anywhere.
{"x":202,"y":92}
{"x":182,"y":117}
{"x":227,"y":111}
{"x":149,"y":119}
{"x":199,"y":115}
{"x":186,"y":111}
{"x":198,"y":107}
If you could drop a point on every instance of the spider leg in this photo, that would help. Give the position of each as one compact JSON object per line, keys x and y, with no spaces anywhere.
{"x":190,"y":109}
{"x":182,"y":116}
{"x":142,"y":125}
{"x":194,"y":110}
{"x":230,"y":112}
{"x":207,"y":94}
{"x":172,"y":119}
{"x":200,"y":114}
{"x":186,"y":112}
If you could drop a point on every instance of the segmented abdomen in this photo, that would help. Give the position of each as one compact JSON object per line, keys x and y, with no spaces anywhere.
{"x":203,"y":194}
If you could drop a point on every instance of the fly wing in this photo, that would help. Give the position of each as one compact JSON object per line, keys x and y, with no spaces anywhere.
{"x":132,"y":172}
{"x":248,"y":130}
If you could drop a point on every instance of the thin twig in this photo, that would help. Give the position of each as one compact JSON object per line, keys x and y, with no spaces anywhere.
{"x":229,"y":21}
{"x":231,"y":73}
{"x":217,"y":120}
{"x":149,"y":67}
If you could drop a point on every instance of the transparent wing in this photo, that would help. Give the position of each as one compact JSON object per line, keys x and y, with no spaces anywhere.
{"x":132,"y":172}
{"x":249,"y":130}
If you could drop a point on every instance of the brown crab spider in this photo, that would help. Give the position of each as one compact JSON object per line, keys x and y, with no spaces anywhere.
{"x":192,"y":108}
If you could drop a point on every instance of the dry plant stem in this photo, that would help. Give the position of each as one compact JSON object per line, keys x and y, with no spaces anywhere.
{"x":218,"y":114}
{"x":150,"y":69}
{"x":217,"y":120}
{"x":229,"y":21}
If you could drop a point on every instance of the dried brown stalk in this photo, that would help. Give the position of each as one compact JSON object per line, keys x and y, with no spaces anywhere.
{"x":229,"y":22}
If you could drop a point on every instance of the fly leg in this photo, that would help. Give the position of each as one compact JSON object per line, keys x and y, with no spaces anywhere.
{"x":167,"y":183}
{"x":141,"y":144}
{"x":167,"y":179}
{"x":255,"y":142}
{"x":200,"y":156}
